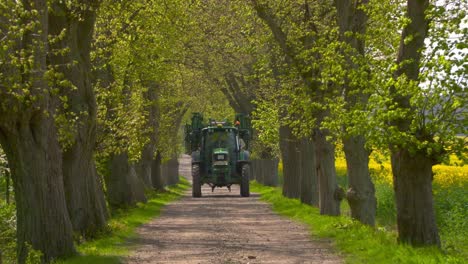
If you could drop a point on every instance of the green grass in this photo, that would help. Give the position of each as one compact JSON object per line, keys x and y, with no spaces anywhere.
{"x":358,"y":243}
{"x":109,"y":248}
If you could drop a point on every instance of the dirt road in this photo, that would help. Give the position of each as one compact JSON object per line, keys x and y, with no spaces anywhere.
{"x":222,"y":227}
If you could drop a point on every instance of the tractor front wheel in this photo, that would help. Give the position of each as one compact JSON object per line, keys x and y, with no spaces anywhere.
{"x":245,"y":177}
{"x":196,"y":181}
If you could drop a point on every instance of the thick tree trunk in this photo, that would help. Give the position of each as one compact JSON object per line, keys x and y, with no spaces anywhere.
{"x":265,"y":171}
{"x":147,"y":156}
{"x":330,"y":194}
{"x":124,"y":188}
{"x":309,"y":181}
{"x":412,"y":173}
{"x":352,"y":18}
{"x":35,"y":161}
{"x":412,"y":179}
{"x":361,"y":192}
{"x":144,"y":165}
{"x":172,"y":171}
{"x":29,"y":137}
{"x":289,"y":146}
{"x":85,"y":197}
{"x":156,"y":174}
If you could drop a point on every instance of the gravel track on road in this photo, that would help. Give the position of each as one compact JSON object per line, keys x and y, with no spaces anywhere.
{"x":222,"y":227}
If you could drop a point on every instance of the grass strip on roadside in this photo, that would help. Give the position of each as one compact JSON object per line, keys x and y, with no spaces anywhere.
{"x":357,"y":242}
{"x":110,"y":247}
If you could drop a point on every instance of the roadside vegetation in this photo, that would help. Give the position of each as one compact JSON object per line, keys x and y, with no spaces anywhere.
{"x":359,"y":243}
{"x":364,"y":244}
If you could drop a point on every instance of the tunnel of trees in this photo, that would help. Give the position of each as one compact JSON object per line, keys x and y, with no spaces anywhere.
{"x":93,"y":93}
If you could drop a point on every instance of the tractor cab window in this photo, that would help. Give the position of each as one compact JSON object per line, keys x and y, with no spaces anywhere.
{"x":221,"y":139}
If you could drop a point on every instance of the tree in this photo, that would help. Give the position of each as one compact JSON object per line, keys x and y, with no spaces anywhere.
{"x":422,"y":108}
{"x":71,"y":29}
{"x":29,"y":136}
{"x":301,"y":57}
{"x":352,"y":22}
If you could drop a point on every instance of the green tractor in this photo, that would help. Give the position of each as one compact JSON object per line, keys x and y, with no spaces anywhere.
{"x":220,"y":155}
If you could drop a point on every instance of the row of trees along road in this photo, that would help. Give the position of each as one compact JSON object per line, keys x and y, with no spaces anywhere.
{"x":370,"y":75}
{"x":91,"y":97}
{"x":92,"y":94}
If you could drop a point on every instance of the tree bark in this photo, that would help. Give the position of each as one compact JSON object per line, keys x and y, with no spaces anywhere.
{"x":85,"y":197}
{"x":124,"y":188}
{"x":309,"y":181}
{"x":412,"y":170}
{"x":412,"y":179}
{"x":361,"y":192}
{"x":289,"y":146}
{"x":29,"y":137}
{"x":330,"y":194}
{"x":34,"y":157}
{"x":265,"y":171}
{"x":143,"y":167}
{"x":156,"y":174}
{"x":352,"y":20}
{"x":148,"y":153}
{"x":172,"y":171}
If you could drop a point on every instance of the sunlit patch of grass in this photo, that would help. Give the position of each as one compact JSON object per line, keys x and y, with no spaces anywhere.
{"x":113,"y":245}
{"x":359,"y":243}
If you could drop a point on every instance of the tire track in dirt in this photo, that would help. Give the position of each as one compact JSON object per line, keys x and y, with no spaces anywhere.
{"x":222,"y":227}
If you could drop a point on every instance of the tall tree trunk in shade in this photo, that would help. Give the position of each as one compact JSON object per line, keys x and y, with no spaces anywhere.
{"x":330,"y":194}
{"x":309,"y":180}
{"x":290,"y":154}
{"x":412,"y":169}
{"x":29,"y":137}
{"x":85,"y":196}
{"x":156,"y":174}
{"x":361,"y":192}
{"x":412,"y":179}
{"x":124,"y":188}
{"x":143,"y":167}
{"x":352,"y":22}
{"x":34,"y":158}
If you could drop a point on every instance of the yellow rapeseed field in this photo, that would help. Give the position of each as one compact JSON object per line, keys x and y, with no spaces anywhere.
{"x":444,"y":175}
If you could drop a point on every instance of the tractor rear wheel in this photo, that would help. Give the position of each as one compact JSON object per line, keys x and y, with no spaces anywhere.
{"x":196,"y":181}
{"x":245,"y":177}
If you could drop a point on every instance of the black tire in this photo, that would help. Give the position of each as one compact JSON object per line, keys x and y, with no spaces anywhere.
{"x":245,"y":177}
{"x":196,"y":181}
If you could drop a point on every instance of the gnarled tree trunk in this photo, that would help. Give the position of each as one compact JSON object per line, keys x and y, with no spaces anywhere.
{"x":412,"y":179}
{"x":34,"y":158}
{"x":265,"y":171}
{"x":29,"y":137}
{"x":352,"y":21}
{"x":143,"y":168}
{"x":156,"y":174}
{"x":330,"y":194}
{"x":172,"y":170}
{"x":309,"y":181}
{"x":85,"y":197}
{"x":412,"y":170}
{"x":289,"y":146}
{"x":124,"y":188}
{"x":361,"y":192}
